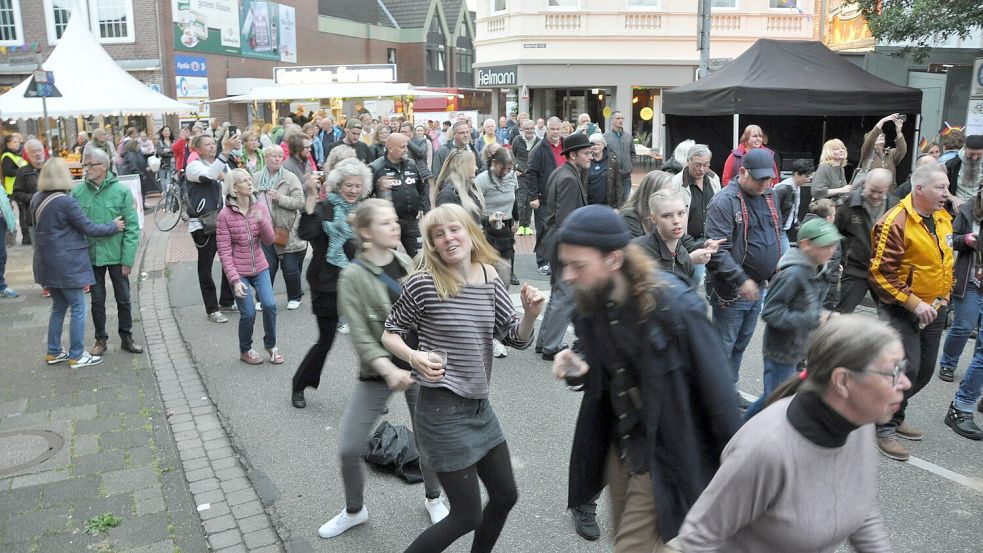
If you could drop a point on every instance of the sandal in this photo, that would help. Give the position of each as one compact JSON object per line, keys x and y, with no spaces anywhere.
{"x":275,"y":356}
{"x":250,"y":357}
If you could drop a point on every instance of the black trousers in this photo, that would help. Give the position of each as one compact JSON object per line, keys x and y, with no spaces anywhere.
{"x":206,"y":258}
{"x":26,"y":225}
{"x":325,"y":307}
{"x":410,"y":235}
{"x":852,"y":291}
{"x":540,"y":213}
{"x":121,"y":292}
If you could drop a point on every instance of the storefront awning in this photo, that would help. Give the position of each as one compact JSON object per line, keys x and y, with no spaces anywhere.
{"x":337,"y":90}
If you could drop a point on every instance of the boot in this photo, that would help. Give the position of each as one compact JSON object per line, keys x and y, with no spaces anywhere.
{"x":129,"y":345}
{"x":99,"y":349}
{"x":961,"y":422}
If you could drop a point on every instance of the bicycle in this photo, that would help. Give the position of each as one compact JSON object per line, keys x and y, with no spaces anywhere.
{"x":172,"y":207}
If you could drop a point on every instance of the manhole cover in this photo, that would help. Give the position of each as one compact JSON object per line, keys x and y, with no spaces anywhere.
{"x":21,"y":449}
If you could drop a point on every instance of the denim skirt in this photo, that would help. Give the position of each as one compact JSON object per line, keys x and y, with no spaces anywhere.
{"x":455,"y":431}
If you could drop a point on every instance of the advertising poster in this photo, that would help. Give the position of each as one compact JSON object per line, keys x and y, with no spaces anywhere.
{"x":207,"y":26}
{"x":288,"y":34}
{"x":191,"y":80}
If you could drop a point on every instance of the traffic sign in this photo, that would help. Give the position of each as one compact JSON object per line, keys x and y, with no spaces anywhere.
{"x":42,"y":86}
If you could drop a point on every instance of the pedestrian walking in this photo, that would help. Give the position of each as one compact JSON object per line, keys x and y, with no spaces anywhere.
{"x":604,"y":176}
{"x":522,"y":144}
{"x":788,"y":194}
{"x":698,"y":184}
{"x":753,"y":138}
{"x":366,"y":291}
{"x":133,"y":162}
{"x":457,"y":305}
{"x":397,"y":178}
{"x":8,"y":227}
{"x":801,"y":476}
{"x":353,"y":133}
{"x":283,"y":195}
{"x":965,"y":171}
{"x":297,"y":154}
{"x":103,"y":199}
{"x":911,"y":269}
{"x":665,"y":244}
{"x":544,"y":158}
{"x":325,"y":226}
{"x":253,"y":156}
{"x":61,"y":260}
{"x":649,"y":430}
{"x":498,"y":185}
{"x":165,"y":152}
{"x":243,"y":227}
{"x":11,"y":159}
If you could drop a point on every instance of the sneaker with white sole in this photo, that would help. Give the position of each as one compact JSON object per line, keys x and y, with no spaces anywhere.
{"x":259,"y":306}
{"x":217,"y":317}
{"x":342,"y":522}
{"x":85,"y":360}
{"x":343,"y":328}
{"x":499,"y":349}
{"x":51,"y":359}
{"x":436,"y":508}
{"x":293,"y":304}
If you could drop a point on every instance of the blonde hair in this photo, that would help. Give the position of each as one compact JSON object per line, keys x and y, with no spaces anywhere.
{"x":365,"y":213}
{"x":639,"y":200}
{"x":55,"y":176}
{"x":664,"y":195}
{"x":828,"y":147}
{"x":445,"y":279}
{"x":232,"y":178}
{"x":459,"y":171}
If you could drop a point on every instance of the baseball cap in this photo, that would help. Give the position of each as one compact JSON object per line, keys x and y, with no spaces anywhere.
{"x":353,"y":124}
{"x":819,"y":232}
{"x":760,"y":164}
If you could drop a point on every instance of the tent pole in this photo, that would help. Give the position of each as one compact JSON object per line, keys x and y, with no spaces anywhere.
{"x":737,"y":123}
{"x":916,"y":139}
{"x":824,"y":128}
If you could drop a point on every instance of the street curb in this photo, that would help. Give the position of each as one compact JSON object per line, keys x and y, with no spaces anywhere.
{"x":233,"y":516}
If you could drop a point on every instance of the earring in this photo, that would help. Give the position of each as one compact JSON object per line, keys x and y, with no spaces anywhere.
{"x":366,"y":244}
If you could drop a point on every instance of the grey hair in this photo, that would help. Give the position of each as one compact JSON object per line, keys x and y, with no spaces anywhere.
{"x":682,"y":151}
{"x":272,"y":149}
{"x":350,"y":168}
{"x":923,"y":175}
{"x":879,"y":174}
{"x":337,"y":154}
{"x":33,"y":142}
{"x":701,"y":150}
{"x":97,"y":154}
{"x":598,"y":138}
{"x":232,"y":178}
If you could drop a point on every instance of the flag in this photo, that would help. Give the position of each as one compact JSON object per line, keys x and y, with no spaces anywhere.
{"x":923,"y":145}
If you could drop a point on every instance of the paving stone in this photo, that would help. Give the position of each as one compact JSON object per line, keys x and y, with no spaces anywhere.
{"x":236,"y":484}
{"x":199,"y":474}
{"x":85,"y":444}
{"x":79,"y":412}
{"x":227,"y":538}
{"x":38,"y":478}
{"x":66,"y":491}
{"x":206,"y":485}
{"x":219,"y":524}
{"x":70,"y":542}
{"x":128,"y":480}
{"x":268,"y":549}
{"x":248,"y":509}
{"x":148,"y":501}
{"x":125,"y":439}
{"x":159,"y":547}
{"x":193,"y":453}
{"x":29,"y":525}
{"x":20,"y":500}
{"x":216,"y":442}
{"x":238,"y":548}
{"x":138,"y":456}
{"x":254,"y":523}
{"x":260,"y":538}
{"x":220,"y":453}
{"x":119,"y":505}
{"x":138,"y":531}
{"x":100,"y":462}
{"x":225,"y":463}
{"x":242,"y":496}
{"x":230,"y":473}
{"x":213,"y":434}
{"x":212,"y":496}
{"x":195,"y":464}
{"x":99,"y":425}
{"x":178,"y":418}
{"x":215,"y":510}
{"x":183,"y":427}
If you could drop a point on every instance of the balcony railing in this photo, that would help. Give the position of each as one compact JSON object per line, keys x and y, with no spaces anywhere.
{"x":563,"y":21}
{"x":495,"y":25}
{"x":726,"y":23}
{"x":784,"y":23}
{"x":643,"y":21}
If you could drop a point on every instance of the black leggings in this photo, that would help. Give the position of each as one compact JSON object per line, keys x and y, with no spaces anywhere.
{"x":309,"y":371}
{"x":461,"y":488}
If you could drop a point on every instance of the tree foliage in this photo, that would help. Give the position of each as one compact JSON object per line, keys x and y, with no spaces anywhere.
{"x":921,"y":22}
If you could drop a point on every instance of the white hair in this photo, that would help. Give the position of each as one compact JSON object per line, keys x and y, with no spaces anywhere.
{"x":682,"y":150}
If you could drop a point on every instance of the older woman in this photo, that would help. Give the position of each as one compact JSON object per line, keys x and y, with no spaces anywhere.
{"x":456,"y":184}
{"x":753,"y":137}
{"x":253,"y":156}
{"x":829,"y":180}
{"x":801,"y":475}
{"x":603,"y":177}
{"x":243,"y":226}
{"x":281,"y":192}
{"x":636,"y":213}
{"x":61,"y":260}
{"x":325,"y":225}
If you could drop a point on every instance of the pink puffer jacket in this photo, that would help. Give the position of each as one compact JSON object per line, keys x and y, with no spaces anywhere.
{"x":238,"y":238}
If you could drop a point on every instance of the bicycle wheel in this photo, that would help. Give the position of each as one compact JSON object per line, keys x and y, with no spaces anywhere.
{"x":168,"y":210}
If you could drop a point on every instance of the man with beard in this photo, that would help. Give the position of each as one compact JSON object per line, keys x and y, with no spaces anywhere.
{"x":965,"y":171}
{"x":353,"y":130}
{"x":854,"y":220}
{"x":658,"y":406}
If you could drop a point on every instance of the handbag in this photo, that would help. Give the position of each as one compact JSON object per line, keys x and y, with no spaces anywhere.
{"x":209,"y":221}
{"x":860,"y":176}
{"x":280,"y":236}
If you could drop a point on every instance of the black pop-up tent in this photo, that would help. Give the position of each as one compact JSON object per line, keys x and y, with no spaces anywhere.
{"x":800,"y":92}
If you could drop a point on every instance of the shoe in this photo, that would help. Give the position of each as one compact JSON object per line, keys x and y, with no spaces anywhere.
{"x":217,"y":317}
{"x":890,"y":447}
{"x":343,"y":521}
{"x":259,"y":306}
{"x":499,"y":349}
{"x":85,"y":360}
{"x":250,"y":357}
{"x":539,"y":349}
{"x":343,"y":328}
{"x":57,"y":358}
{"x":586,"y":524}
{"x":297,"y":399}
{"x":742,"y":402}
{"x":947,"y":374}
{"x":909,"y":432}
{"x":514,"y":281}
{"x":548,"y":354}
{"x":231,"y":308}
{"x":45,"y":293}
{"x":8,"y":293}
{"x":99,"y":348}
{"x":545,"y":270}
{"x":129,"y":345}
{"x":437,"y":510}
{"x":962,"y":423}
{"x":293,"y":304}
{"x":275,"y":356}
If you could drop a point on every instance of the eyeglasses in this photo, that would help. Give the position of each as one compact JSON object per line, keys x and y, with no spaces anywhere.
{"x":895,"y":373}
{"x":94,"y":164}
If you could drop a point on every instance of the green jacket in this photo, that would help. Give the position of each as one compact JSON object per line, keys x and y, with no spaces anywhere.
{"x":102,"y":205}
{"x":363,"y":300}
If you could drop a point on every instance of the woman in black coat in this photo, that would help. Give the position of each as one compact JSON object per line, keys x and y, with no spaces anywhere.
{"x":135,"y":164}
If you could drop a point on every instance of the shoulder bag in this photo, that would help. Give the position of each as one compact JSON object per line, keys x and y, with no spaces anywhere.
{"x":411,"y":339}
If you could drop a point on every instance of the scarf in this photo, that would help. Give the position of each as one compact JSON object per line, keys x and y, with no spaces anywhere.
{"x":968,"y":181}
{"x":267,"y":181}
{"x":338,"y":230}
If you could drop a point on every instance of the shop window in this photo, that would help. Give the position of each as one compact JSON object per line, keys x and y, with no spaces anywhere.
{"x":794,"y":4}
{"x":11,"y":31}
{"x":111,"y":20}
{"x":724,"y":4}
{"x":498,"y":5}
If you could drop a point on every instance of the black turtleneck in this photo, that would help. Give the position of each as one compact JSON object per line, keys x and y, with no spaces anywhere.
{"x":818,"y":422}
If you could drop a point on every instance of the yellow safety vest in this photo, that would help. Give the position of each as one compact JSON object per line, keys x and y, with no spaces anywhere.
{"x":8,"y":180}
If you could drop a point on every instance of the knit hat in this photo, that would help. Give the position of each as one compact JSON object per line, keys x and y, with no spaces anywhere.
{"x":974,"y":142}
{"x":760,"y":164}
{"x":595,"y":226}
{"x":819,"y":232}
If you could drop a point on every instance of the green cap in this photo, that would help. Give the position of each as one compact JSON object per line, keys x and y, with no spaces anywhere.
{"x":819,"y":232}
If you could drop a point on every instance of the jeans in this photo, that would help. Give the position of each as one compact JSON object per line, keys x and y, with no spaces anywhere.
{"x":784,"y":242}
{"x":774,"y":375}
{"x":921,"y":348}
{"x":626,"y":187}
{"x":121,"y":291}
{"x":971,"y":387}
{"x":61,"y":300}
{"x":410,"y":235}
{"x":206,"y":258}
{"x":966,"y":316}
{"x":699,"y":274}
{"x":556,"y":317}
{"x":3,"y":254}
{"x":290,"y":263}
{"x":735,"y":322}
{"x":361,"y":415}
{"x":257,"y":287}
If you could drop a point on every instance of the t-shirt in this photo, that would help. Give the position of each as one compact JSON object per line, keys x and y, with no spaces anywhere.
{"x":597,"y":182}
{"x":762,"y":248}
{"x":395,"y":271}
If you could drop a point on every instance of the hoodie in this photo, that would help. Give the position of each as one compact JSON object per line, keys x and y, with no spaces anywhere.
{"x":791,"y":308}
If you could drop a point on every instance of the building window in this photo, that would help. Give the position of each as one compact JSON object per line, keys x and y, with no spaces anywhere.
{"x":11,"y":31}
{"x":110,"y":20}
{"x":724,"y":4}
{"x":644,"y":3}
{"x":564,"y":3}
{"x":498,"y":5}
{"x":435,"y":57}
{"x":465,"y":60}
{"x":391,"y":55}
{"x":794,"y":4}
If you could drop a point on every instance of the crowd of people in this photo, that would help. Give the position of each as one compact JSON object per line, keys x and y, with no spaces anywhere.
{"x":412,"y":231}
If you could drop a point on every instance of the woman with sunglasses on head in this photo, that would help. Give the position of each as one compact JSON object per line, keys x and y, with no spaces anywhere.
{"x":801,"y":475}
{"x":457,"y":304}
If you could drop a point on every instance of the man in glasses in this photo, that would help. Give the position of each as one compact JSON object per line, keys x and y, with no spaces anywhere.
{"x":911,"y":270}
{"x":698,"y":184}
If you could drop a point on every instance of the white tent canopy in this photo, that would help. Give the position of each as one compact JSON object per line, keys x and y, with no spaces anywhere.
{"x":286,"y":92}
{"x":91,"y":83}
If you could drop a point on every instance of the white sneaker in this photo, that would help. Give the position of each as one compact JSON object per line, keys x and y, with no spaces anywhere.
{"x":293,"y":304}
{"x":259,"y":306}
{"x":438,"y":511}
{"x":85,"y":360}
{"x":499,"y":349}
{"x":343,"y":328}
{"x":342,"y":522}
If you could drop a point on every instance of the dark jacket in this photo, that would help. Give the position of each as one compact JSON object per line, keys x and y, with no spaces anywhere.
{"x":679,"y":264}
{"x":612,"y":178}
{"x":855,"y":225}
{"x":442,"y":153}
{"x":321,"y":275}
{"x":25,"y":185}
{"x":791,"y":308}
{"x":61,"y":252}
{"x":968,"y":257}
{"x":419,"y":148}
{"x":410,"y":196}
{"x":952,"y":168}
{"x":785,"y":199}
{"x":362,"y":150}
{"x":688,"y":406}
{"x":521,"y":152}
{"x":541,"y":165}
{"x":566,"y":191}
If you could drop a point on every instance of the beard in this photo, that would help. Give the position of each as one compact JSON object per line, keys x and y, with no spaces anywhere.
{"x":593,"y":300}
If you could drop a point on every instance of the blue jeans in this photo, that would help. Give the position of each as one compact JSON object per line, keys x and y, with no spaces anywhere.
{"x":61,"y":300}
{"x":774,"y":375}
{"x":3,"y":254}
{"x":699,"y":274}
{"x":290,"y":263}
{"x":258,"y":286}
{"x":735,"y":322}
{"x":784,"y":242}
{"x":971,"y":387}
{"x":626,"y":185}
{"x":966,"y":313}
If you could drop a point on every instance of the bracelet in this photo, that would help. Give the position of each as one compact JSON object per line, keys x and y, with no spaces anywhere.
{"x":412,"y":366}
